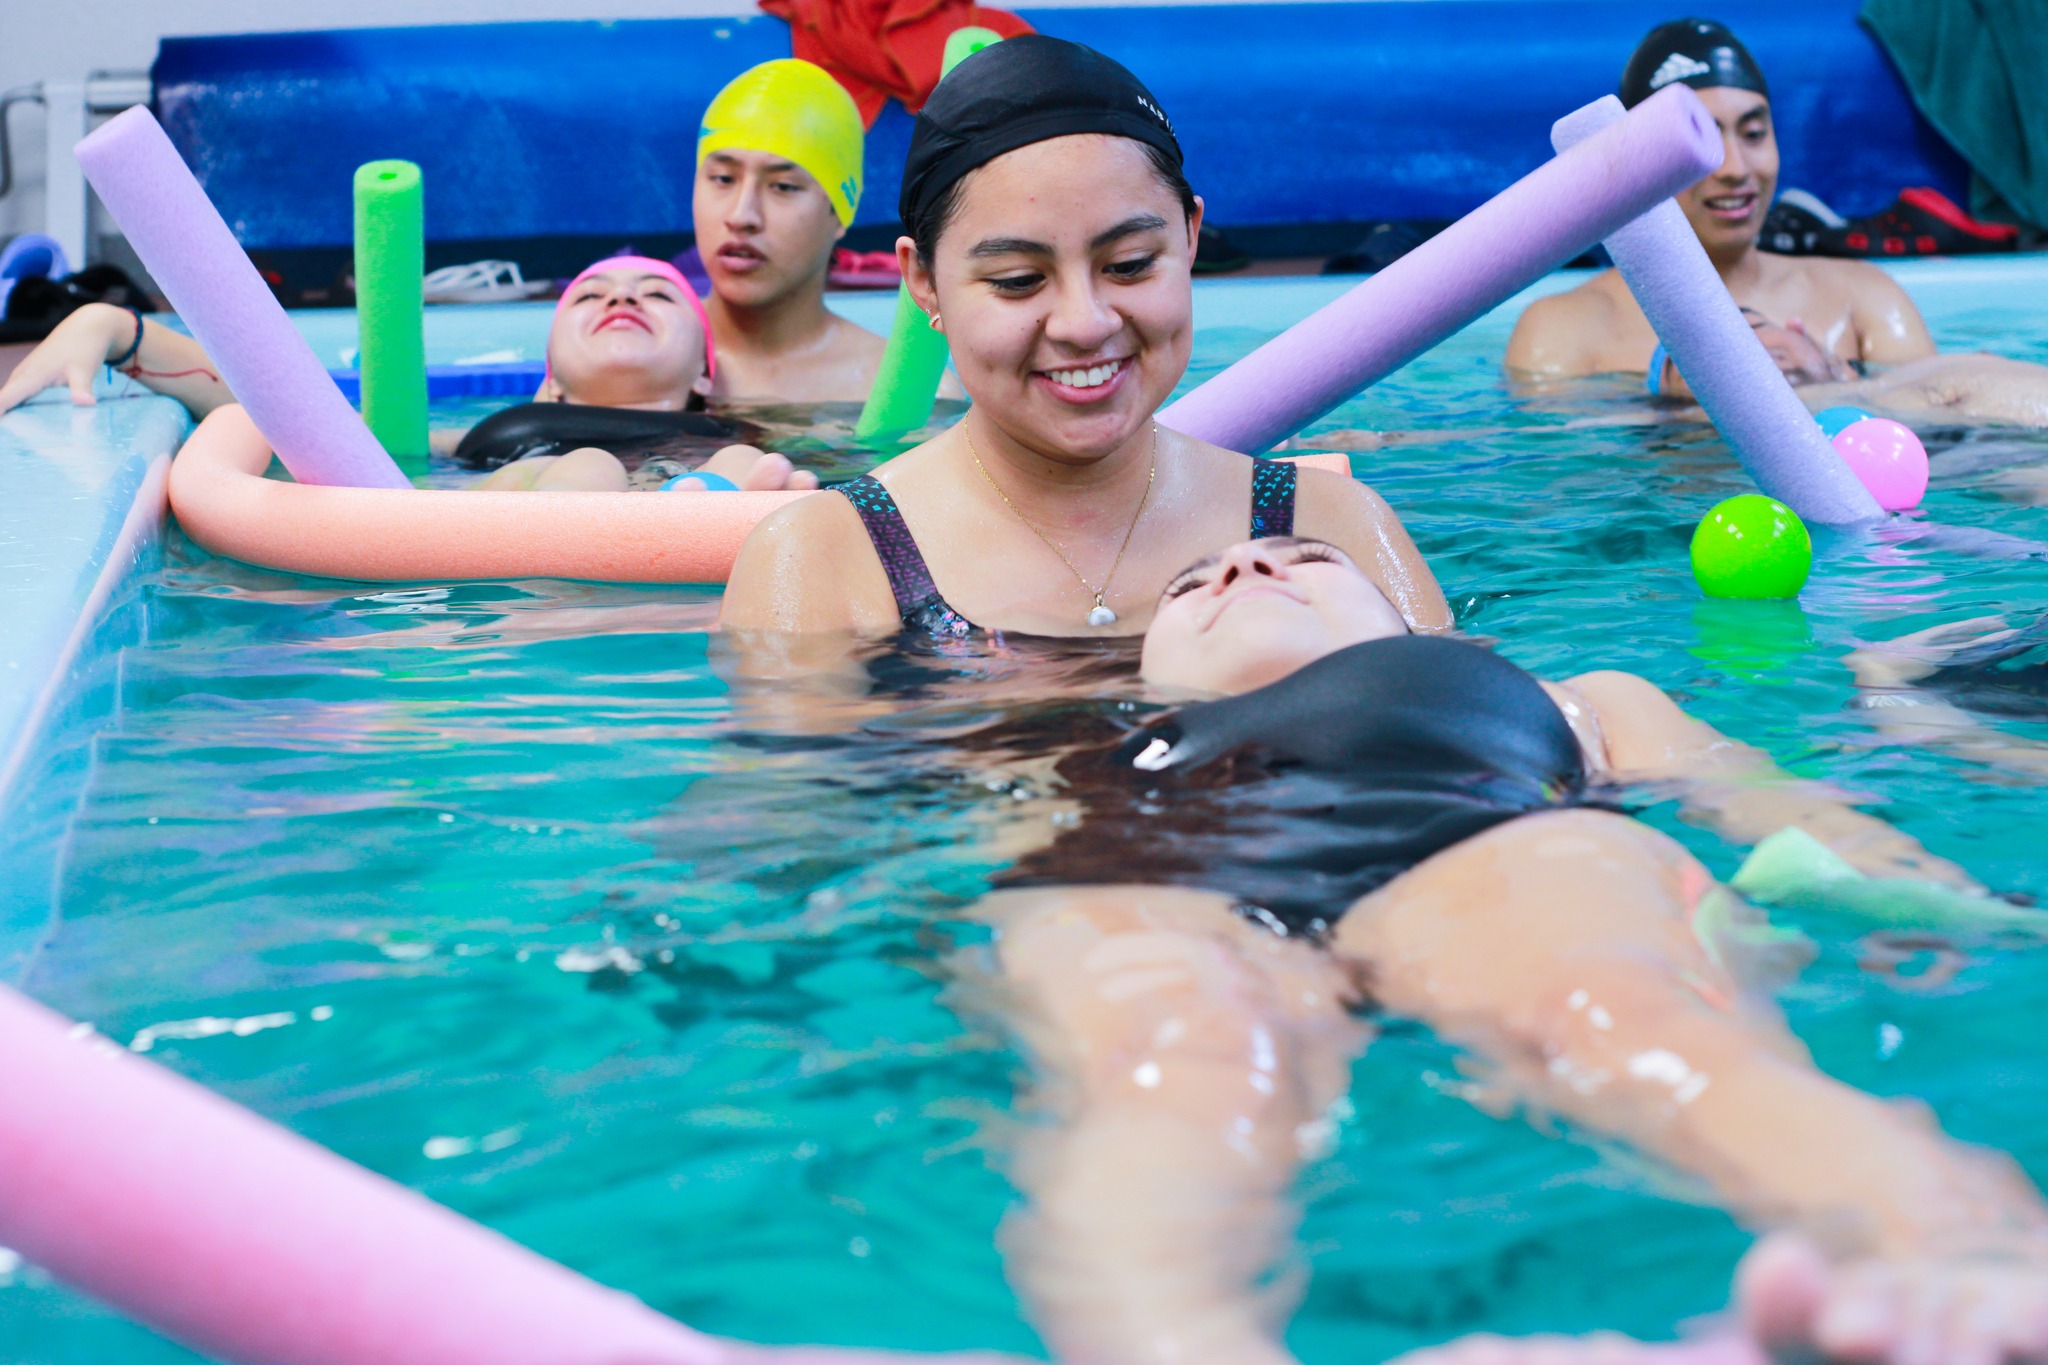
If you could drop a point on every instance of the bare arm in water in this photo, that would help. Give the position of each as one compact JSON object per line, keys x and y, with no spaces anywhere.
{"x":1633,"y":732}
{"x":1974,"y":388}
{"x":1887,"y":675}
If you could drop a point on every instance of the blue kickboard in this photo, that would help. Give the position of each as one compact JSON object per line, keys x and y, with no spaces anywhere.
{"x":517,"y":378}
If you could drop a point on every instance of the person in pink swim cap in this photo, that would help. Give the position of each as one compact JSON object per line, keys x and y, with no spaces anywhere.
{"x":629,"y":333}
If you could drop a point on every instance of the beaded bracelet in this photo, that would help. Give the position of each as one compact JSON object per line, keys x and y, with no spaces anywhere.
{"x":134,"y":347}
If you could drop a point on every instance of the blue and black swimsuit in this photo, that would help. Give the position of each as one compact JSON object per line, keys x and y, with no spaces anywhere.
{"x":925,"y":610}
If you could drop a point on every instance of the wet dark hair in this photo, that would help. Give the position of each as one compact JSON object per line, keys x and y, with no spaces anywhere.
{"x":927,"y":224}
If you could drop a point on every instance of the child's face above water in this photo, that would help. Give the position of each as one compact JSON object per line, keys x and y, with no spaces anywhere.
{"x":1258,"y":611}
{"x":626,"y":338}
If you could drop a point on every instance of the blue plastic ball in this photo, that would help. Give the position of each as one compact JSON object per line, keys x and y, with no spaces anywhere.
{"x":1834,"y":420}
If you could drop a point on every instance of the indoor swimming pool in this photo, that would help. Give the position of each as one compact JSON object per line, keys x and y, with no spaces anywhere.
{"x":511,"y":892}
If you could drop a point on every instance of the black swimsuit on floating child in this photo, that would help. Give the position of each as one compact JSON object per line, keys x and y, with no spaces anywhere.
{"x":634,"y":435}
{"x":924,"y":609}
{"x":1301,"y":797}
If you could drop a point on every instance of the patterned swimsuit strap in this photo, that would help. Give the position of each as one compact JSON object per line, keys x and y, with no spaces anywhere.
{"x":918,"y":601}
{"x":1273,"y":484}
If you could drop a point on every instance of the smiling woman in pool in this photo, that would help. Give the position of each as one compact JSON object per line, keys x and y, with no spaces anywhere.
{"x":1050,"y":238}
{"x":1372,"y":819}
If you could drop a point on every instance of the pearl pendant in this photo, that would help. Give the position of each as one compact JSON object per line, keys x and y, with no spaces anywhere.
{"x":1101,"y":616}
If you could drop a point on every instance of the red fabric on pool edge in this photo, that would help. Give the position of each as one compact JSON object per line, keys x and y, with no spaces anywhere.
{"x":884,"y":49}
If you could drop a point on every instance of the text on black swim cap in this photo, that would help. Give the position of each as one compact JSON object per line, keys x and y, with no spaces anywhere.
{"x":1696,"y":52}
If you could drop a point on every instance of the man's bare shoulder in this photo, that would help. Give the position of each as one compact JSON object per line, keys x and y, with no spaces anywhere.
{"x":849,"y":338}
{"x":1571,"y":333}
{"x":1889,"y":328}
{"x":1859,"y":285}
{"x":1846,"y":273}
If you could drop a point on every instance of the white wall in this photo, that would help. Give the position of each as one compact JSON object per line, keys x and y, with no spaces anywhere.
{"x":69,"y":39}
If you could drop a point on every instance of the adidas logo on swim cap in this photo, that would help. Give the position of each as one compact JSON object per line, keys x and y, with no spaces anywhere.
{"x":1678,"y":67}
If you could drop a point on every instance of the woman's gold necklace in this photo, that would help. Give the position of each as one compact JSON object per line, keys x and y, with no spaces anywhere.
{"x":1100,"y":614}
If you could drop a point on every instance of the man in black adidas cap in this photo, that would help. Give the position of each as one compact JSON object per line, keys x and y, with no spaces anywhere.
{"x":1822,"y":318}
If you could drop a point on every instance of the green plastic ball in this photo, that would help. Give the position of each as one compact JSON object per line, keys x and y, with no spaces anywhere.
{"x":1751,"y":547}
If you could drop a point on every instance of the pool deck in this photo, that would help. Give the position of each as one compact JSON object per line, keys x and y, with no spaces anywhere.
{"x":81,"y":508}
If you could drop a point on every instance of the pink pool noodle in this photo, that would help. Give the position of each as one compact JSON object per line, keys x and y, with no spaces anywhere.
{"x":254,"y":1246}
{"x":1500,"y":248}
{"x":251,"y":1244}
{"x":223,"y":502}
{"x":210,"y":281}
{"x":1717,"y":352}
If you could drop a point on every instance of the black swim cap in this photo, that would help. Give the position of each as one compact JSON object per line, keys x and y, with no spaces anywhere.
{"x":1695,"y":52}
{"x":1023,"y":90}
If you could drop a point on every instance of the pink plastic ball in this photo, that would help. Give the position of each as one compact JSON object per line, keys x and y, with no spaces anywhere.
{"x":1889,"y":460}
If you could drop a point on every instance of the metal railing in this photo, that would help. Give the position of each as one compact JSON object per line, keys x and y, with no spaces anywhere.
{"x":68,"y":109}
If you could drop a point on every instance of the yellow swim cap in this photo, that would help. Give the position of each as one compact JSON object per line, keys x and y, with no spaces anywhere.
{"x":791,"y":108}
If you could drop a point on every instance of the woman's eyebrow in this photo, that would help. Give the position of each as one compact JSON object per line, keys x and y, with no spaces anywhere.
{"x":1024,"y":246}
{"x":1009,"y":246}
{"x":1141,"y":222}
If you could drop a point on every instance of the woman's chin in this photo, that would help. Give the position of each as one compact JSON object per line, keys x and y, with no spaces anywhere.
{"x":1086,"y":434}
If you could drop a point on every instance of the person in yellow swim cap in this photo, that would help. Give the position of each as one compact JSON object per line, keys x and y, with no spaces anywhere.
{"x":798,"y":110}
{"x":778,"y":180}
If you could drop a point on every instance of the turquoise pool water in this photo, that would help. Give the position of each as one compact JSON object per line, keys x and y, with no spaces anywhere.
{"x":496,"y":889}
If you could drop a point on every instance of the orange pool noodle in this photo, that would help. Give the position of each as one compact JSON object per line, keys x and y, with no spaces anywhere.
{"x":404,"y":535}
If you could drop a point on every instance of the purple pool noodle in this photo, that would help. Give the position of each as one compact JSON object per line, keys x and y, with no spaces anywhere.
{"x":1506,"y":244}
{"x":1718,"y":354}
{"x":215,"y":289}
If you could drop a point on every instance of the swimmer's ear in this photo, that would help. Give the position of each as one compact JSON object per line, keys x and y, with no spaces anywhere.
{"x":548,"y":392}
{"x":702,"y":388}
{"x":1195,"y":223}
{"x":916,"y":278}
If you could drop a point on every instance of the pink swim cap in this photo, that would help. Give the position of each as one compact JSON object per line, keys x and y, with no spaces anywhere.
{"x":649,"y":265}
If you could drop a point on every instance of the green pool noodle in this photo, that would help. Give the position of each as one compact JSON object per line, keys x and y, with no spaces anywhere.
{"x":1795,"y":870}
{"x":390,"y":312}
{"x":963,"y":43}
{"x":907,"y":384}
